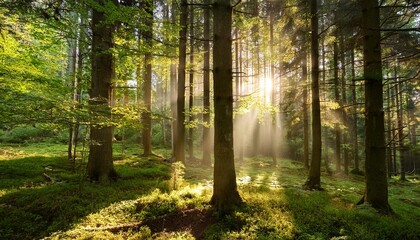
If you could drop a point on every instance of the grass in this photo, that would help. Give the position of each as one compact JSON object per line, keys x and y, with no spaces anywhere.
{"x":157,"y":200}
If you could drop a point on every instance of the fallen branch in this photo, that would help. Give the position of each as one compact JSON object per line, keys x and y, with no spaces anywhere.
{"x":117,"y":228}
{"x":46,"y":176}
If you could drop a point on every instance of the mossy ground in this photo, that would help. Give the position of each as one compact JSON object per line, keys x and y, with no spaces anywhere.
{"x":158,"y":200}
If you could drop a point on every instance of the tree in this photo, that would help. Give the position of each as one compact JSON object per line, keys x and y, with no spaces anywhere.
{"x":225,"y":194}
{"x":147,"y":80}
{"x":172,"y":91}
{"x":376,"y":192}
{"x":314,"y":178}
{"x":337,"y":124}
{"x":305,"y":109}
{"x":206,"y":88}
{"x":100,"y":166}
{"x":191,"y":87}
{"x":180,"y":130}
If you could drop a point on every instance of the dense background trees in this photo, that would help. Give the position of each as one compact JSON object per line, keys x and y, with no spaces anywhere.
{"x":95,"y":67}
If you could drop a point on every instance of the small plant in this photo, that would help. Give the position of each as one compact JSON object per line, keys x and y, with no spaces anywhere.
{"x":178,"y":172}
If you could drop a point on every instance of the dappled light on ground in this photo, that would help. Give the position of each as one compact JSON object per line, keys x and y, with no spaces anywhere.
{"x":154,"y":199}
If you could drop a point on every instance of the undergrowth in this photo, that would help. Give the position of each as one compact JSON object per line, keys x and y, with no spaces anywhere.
{"x":158,"y":200}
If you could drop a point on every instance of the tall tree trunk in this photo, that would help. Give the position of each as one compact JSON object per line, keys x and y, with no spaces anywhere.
{"x":338,"y":111}
{"x":225,"y":194}
{"x":191,"y":87}
{"x":354,"y":100}
{"x":412,"y":124}
{"x":147,"y":80}
{"x":314,"y":178}
{"x":376,"y":192}
{"x":324,"y":130}
{"x":400,"y":126}
{"x":305,"y":110}
{"x":72,"y":73}
{"x":273,"y":93}
{"x":100,"y":166}
{"x":389,"y":132}
{"x":180,"y":132}
{"x":172,"y":91}
{"x":394,"y":131}
{"x":206,"y":82}
{"x":344,"y":103}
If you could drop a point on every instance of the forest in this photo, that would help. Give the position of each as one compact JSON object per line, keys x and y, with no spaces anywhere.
{"x":209,"y":119}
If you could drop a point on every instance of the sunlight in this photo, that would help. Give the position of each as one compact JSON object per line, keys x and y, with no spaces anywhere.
{"x":266,"y":86}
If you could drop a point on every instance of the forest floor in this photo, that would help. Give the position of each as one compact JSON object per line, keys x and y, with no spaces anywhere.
{"x":43,"y":196}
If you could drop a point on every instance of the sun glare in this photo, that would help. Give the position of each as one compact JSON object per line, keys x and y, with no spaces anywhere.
{"x":267,"y":88}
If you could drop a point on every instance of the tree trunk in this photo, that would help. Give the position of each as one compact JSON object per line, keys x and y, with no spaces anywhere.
{"x":206,"y":82}
{"x":191,"y":87}
{"x":225,"y":194}
{"x":389,"y":132}
{"x":314,"y":178}
{"x":376,"y":192}
{"x":72,"y":74}
{"x":100,"y":166}
{"x":273,"y":93}
{"x":180,"y":130}
{"x":344,"y":103}
{"x":173,"y":86}
{"x":354,"y":128}
{"x":305,"y":110}
{"x":147,"y":80}
{"x":400,"y":126}
{"x":338,"y":111}
{"x":324,"y":130}
{"x":394,"y":131}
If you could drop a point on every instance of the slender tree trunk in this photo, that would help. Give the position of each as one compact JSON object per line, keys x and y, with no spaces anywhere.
{"x":324,"y":130}
{"x":172,"y":91}
{"x":147,"y":80}
{"x":72,"y":73}
{"x":389,"y":132}
{"x":400,"y":126}
{"x":338,"y":111}
{"x":191,"y":87}
{"x":394,"y":131}
{"x":273,"y":93}
{"x":206,"y":82}
{"x":225,"y":194}
{"x":354,"y":128}
{"x":314,"y":178}
{"x":412,"y":124}
{"x":180,"y":132}
{"x":376,"y":192}
{"x":100,"y":165}
{"x":344,"y":103}
{"x":305,"y":110}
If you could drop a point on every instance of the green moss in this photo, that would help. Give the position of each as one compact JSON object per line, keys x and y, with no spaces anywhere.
{"x":276,"y":206}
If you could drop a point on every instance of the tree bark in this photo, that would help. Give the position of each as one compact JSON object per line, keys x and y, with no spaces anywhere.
{"x":273,"y":92}
{"x":173,"y":86}
{"x":314,"y":178}
{"x":344,"y":103}
{"x":225,"y":194}
{"x":180,"y":130}
{"x":389,"y":132}
{"x":191,"y":87}
{"x":100,"y":166}
{"x":354,"y":128}
{"x":376,"y":192}
{"x":206,"y":82}
{"x":400,"y":126}
{"x":337,"y":112}
{"x":305,"y":110}
{"x":147,"y":80}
